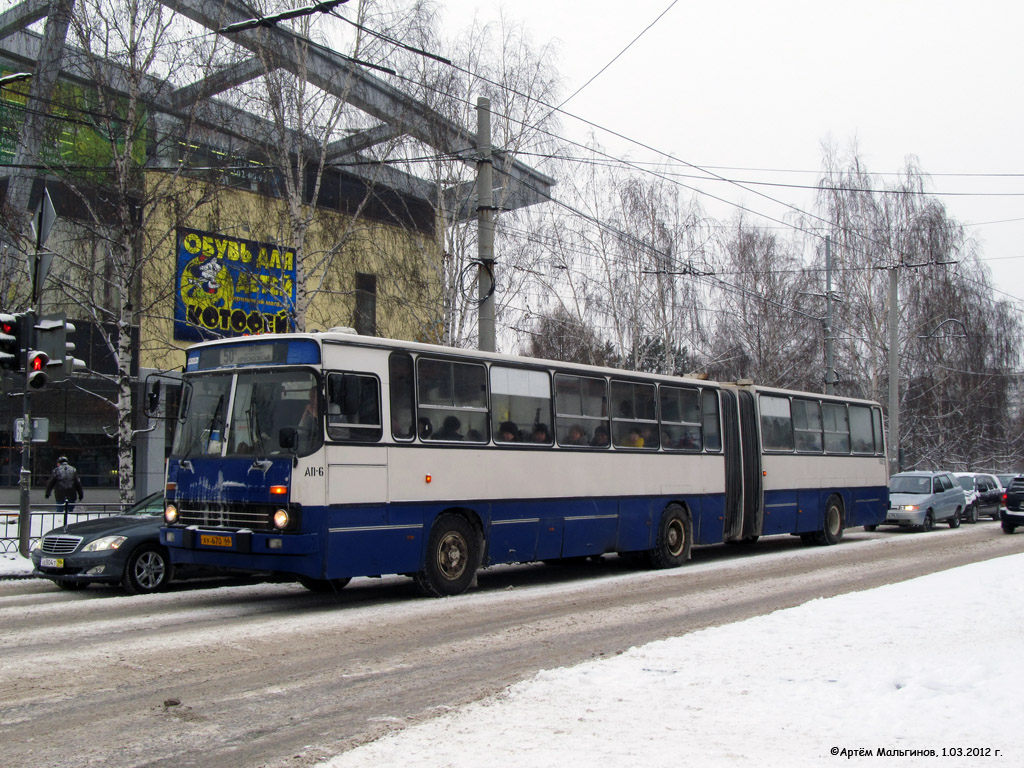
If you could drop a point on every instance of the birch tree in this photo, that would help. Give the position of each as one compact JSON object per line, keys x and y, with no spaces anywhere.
{"x":125,"y":51}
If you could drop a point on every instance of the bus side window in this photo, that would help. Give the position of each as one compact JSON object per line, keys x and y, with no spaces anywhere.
{"x":581,"y":415}
{"x":709,"y":415}
{"x":353,"y":408}
{"x":403,"y":397}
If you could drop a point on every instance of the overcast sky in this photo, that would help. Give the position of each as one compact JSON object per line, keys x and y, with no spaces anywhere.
{"x":739,"y":85}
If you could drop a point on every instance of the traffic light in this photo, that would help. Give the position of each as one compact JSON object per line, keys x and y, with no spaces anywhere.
{"x":52,"y":338}
{"x":11,"y":341}
{"x":35,"y":363}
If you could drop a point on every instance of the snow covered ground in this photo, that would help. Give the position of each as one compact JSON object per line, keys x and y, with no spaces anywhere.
{"x":929,"y":672}
{"x":930,"y":666}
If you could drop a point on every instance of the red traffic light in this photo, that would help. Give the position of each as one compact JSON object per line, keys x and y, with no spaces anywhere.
{"x":10,"y":341}
{"x":36,"y":363}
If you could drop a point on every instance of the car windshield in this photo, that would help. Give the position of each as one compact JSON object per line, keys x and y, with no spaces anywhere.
{"x":967,"y":483}
{"x":151,"y":505}
{"x":910,"y":484}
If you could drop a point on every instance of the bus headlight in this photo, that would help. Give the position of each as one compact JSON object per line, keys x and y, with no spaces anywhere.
{"x":281,"y":519}
{"x":170,"y":514}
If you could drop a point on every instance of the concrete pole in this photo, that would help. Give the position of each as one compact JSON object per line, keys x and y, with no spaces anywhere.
{"x":485,"y":232}
{"x":894,"y":372}
{"x":37,"y":109}
{"x":830,"y":363}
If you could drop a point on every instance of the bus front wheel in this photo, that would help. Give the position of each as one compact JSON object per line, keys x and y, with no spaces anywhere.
{"x":675,"y":535}
{"x":453,"y":551}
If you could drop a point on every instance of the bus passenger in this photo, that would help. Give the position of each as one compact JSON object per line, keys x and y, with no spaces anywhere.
{"x":507,"y":432}
{"x":450,"y":429}
{"x":575,"y":436}
{"x":540,"y":434}
{"x":309,"y":414}
{"x":600,"y":437}
{"x":401,"y":424}
{"x":635,"y":440}
{"x":426,"y":428}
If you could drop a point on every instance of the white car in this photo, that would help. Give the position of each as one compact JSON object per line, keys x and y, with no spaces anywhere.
{"x":922,"y":499}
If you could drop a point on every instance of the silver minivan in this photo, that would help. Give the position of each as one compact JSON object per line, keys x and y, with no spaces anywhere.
{"x":922,"y":499}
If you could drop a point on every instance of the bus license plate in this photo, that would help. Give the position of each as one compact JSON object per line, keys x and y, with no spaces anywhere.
{"x":52,"y":562}
{"x":214,"y":541}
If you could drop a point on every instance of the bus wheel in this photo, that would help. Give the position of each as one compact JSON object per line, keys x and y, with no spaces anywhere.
{"x":832,"y":530}
{"x":453,"y":552}
{"x":675,"y":534}
{"x":323,"y":585}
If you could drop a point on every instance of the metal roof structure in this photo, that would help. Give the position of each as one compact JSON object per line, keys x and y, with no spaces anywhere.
{"x":396,"y":114}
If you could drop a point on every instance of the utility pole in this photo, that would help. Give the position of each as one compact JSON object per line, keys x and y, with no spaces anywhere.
{"x":894,"y":372}
{"x":485,"y":226}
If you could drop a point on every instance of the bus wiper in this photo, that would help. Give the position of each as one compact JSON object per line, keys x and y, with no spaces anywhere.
{"x":186,"y":458}
{"x":253,"y":417}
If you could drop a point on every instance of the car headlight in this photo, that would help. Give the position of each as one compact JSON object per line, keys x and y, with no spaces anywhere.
{"x":281,"y":519}
{"x":909,"y":508}
{"x":170,"y":514}
{"x":37,"y":546}
{"x":107,"y":542}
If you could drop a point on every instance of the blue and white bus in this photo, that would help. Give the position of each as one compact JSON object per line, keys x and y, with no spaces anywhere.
{"x":329,"y":456}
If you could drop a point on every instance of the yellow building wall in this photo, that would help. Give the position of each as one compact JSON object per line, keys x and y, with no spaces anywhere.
{"x":406,"y":263}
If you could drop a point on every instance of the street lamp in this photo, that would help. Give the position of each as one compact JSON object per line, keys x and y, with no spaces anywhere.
{"x":951,"y":336}
{"x":17,"y":77}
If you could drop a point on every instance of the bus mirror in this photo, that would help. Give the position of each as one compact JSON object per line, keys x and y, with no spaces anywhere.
{"x":154,"y":398}
{"x":186,"y":402}
{"x":288,"y":438}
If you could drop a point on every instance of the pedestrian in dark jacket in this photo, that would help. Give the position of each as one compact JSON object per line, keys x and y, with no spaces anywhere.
{"x":65,"y":485}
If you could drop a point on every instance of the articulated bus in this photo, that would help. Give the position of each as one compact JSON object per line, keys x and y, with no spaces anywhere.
{"x":327,"y":456}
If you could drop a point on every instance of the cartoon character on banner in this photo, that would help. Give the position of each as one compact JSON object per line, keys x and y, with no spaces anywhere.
{"x":206,"y":282}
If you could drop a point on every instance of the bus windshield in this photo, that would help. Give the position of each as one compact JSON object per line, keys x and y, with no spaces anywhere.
{"x":243,"y":414}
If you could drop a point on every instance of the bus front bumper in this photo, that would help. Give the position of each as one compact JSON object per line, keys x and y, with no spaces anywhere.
{"x":244,"y":549}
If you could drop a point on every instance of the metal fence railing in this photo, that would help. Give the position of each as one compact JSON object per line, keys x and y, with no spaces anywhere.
{"x":46,"y":517}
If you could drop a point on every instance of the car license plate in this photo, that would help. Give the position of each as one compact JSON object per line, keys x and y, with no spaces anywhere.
{"x":214,"y":541}
{"x":52,"y":562}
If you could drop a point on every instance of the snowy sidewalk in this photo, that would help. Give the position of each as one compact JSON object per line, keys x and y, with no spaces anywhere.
{"x":925,"y":672}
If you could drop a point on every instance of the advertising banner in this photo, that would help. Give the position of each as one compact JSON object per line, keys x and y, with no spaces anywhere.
{"x":231,"y":287}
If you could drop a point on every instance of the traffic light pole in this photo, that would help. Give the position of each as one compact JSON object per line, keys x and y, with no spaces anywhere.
{"x":25,"y":477}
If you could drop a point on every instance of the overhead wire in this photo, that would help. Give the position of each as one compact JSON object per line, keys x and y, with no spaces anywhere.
{"x":708,"y":175}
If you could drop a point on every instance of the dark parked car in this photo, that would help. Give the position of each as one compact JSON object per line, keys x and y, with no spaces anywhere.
{"x":1005,"y":480}
{"x":122,"y":549}
{"x":1012,"y":514}
{"x":984,"y":495}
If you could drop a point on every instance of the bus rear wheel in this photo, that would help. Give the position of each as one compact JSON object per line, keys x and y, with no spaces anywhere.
{"x":832,"y":526}
{"x":675,"y":535}
{"x":453,"y":552}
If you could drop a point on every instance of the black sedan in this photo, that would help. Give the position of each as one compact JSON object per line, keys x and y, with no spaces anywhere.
{"x":122,"y":549}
